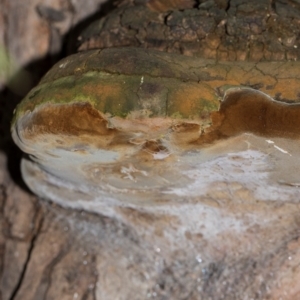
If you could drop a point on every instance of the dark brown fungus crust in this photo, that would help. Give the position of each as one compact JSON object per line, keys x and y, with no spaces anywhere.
{"x":247,"y":110}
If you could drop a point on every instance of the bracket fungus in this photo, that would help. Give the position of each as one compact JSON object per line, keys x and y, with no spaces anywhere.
{"x":133,"y":126}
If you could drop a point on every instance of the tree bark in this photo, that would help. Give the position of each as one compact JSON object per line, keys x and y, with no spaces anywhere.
{"x":222,"y":30}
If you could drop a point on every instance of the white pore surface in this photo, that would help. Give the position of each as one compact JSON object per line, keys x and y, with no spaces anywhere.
{"x":269,"y":169}
{"x":200,"y":188}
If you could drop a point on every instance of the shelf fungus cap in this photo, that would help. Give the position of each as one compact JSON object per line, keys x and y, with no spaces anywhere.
{"x":133,"y":126}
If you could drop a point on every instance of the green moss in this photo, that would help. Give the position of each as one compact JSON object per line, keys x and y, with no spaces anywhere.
{"x":120,"y":95}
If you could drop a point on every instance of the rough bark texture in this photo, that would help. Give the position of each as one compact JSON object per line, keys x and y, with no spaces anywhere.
{"x":48,"y":252}
{"x":224,"y":30}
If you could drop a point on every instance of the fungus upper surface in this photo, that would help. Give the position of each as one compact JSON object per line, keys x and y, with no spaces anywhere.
{"x":144,"y":127}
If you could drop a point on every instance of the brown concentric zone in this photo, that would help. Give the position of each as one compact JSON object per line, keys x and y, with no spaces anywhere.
{"x":82,"y":123}
{"x":75,"y":119}
{"x":251,"y":111}
{"x":242,"y":110}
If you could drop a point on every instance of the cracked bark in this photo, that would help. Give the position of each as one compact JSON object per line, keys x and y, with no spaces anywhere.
{"x":47,"y":252}
{"x":222,"y":30}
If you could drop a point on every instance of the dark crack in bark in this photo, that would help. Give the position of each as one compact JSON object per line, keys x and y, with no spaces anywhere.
{"x":39,"y":222}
